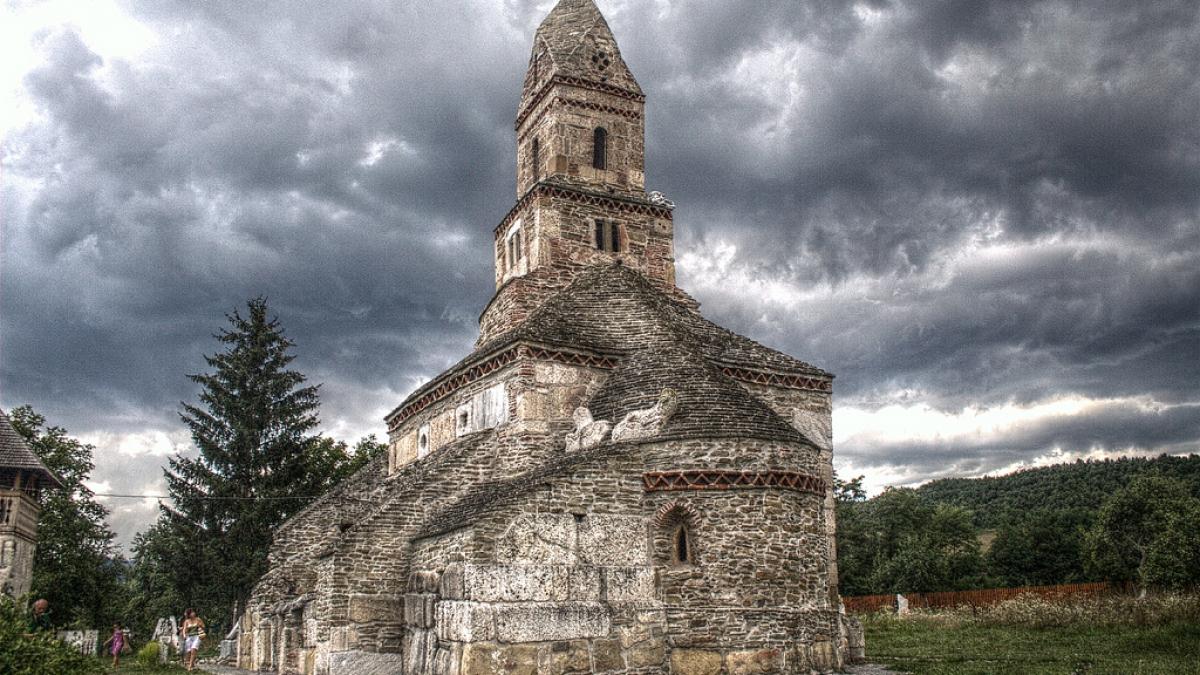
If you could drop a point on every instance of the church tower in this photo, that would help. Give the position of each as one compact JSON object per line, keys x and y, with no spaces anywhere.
{"x":581,"y":184}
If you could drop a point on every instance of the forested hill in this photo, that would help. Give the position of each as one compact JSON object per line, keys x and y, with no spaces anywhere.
{"x":1079,"y":486}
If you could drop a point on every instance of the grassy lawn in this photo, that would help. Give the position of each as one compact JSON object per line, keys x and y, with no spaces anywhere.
{"x":134,"y":668}
{"x":924,"y":644}
{"x":131,"y":666}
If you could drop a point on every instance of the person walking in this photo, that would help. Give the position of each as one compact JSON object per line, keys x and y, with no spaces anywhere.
{"x":192,"y":632}
{"x":117,"y":642}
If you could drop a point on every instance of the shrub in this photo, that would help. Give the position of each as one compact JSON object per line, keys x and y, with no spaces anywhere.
{"x":41,"y":654}
{"x":147,"y":656}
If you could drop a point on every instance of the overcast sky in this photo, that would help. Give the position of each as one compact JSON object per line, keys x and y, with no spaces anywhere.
{"x":984,"y":217}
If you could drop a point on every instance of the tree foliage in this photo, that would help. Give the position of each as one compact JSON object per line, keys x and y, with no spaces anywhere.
{"x":76,"y":566}
{"x":1148,"y":532}
{"x":1040,"y":548}
{"x":1080,"y":486}
{"x":1134,"y":519}
{"x":259,"y":463}
{"x":899,"y":542}
{"x":41,"y":654}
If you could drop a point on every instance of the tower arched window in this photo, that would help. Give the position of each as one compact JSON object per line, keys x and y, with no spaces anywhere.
{"x":608,"y":236}
{"x":535,"y":159}
{"x":600,"y":148}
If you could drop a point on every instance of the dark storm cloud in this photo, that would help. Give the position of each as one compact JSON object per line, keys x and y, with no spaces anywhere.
{"x":962,"y":204}
{"x":1109,"y":426}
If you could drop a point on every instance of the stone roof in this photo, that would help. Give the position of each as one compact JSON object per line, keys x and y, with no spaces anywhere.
{"x":611,"y":309}
{"x":482,"y":498}
{"x":15,"y":454}
{"x":573,"y":34}
{"x":711,"y":405}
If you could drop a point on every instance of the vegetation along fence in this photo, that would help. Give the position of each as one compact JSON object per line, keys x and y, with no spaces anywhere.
{"x":981,"y":598}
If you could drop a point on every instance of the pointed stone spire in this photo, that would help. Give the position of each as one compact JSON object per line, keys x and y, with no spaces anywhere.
{"x":574,"y":41}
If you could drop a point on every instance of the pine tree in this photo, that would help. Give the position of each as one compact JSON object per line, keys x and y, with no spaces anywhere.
{"x":258,"y":463}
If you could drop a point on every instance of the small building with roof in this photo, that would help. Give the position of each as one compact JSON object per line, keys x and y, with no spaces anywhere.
{"x":608,"y":483}
{"x":22,"y":477}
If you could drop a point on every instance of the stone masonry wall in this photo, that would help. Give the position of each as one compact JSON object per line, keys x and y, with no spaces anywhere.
{"x":811,"y":412}
{"x":560,"y":242}
{"x":577,"y":575}
{"x":564,"y":122}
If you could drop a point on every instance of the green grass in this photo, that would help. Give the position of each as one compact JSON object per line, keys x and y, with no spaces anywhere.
{"x":129,"y":664}
{"x":928,"y":645}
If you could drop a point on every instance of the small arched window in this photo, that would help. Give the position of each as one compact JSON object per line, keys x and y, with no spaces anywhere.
{"x":423,"y":441}
{"x":677,"y":522}
{"x":600,"y":148}
{"x":681,"y":545}
{"x":535,"y":160}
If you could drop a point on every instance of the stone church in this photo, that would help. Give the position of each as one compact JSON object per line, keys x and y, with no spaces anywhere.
{"x":608,"y":483}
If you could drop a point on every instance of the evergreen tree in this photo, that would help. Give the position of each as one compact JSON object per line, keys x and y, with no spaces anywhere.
{"x":258,"y":462}
{"x":75,"y":566}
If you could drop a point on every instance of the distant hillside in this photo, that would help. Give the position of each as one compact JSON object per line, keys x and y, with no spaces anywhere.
{"x":1079,"y":486}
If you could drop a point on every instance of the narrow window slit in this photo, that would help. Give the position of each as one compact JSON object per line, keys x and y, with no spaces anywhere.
{"x":600,"y":148}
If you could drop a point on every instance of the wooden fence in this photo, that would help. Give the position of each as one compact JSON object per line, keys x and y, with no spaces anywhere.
{"x":982,"y":598}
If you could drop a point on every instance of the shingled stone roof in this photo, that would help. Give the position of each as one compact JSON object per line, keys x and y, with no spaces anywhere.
{"x":565,"y":34}
{"x":478,"y":501}
{"x":613,"y":309}
{"x":15,"y":454}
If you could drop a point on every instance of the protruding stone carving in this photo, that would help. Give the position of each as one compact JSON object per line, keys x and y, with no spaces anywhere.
{"x":648,"y":421}
{"x":660,"y":199}
{"x":588,"y":432}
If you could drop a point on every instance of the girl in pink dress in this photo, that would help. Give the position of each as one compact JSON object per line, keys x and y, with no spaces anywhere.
{"x":118,"y":642}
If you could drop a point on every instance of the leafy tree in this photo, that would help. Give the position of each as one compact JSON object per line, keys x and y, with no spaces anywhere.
{"x":75,"y":567}
{"x":158,"y":553}
{"x":899,"y":542}
{"x":1044,"y":547}
{"x":930,"y":548}
{"x":853,"y":549}
{"x":258,"y":462}
{"x":1080,"y":486}
{"x":849,"y":491}
{"x":1147,"y":532}
{"x":38,"y":655}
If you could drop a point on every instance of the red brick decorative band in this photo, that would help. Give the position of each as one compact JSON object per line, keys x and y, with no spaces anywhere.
{"x":450,"y":385}
{"x":489,"y":366}
{"x":575,"y":103}
{"x":570,"y":358}
{"x":716,"y":479}
{"x":602,"y":87}
{"x":581,"y":197}
{"x":806,"y":382}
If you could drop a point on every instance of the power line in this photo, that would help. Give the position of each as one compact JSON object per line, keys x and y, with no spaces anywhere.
{"x":210,"y":499}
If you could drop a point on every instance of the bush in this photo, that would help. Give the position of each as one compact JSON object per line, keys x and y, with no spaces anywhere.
{"x":41,"y":654}
{"x":147,"y":656}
